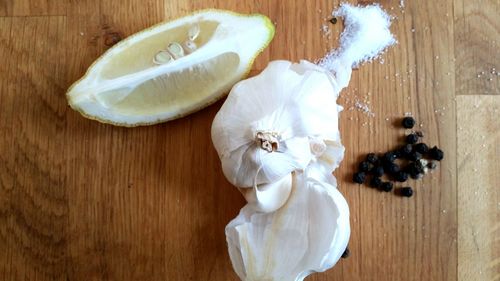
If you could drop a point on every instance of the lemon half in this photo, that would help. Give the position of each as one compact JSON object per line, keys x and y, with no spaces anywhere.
{"x":126,"y":86}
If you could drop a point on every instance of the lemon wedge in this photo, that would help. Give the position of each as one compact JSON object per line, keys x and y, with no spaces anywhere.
{"x":171,"y":69}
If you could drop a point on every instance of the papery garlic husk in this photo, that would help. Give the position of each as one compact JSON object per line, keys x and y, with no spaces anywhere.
{"x":269,"y":197}
{"x":293,"y":104}
{"x":308,"y":234}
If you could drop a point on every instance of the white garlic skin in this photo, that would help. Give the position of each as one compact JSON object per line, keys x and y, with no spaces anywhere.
{"x":308,"y":234}
{"x":296,"y":101}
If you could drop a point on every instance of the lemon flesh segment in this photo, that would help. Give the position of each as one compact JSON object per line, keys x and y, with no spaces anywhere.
{"x":125,"y":87}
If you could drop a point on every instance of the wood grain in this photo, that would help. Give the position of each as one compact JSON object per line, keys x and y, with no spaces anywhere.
{"x":80,"y":200}
{"x":34,"y":211}
{"x":33,"y":7}
{"x":477,"y":33}
{"x":478,"y":196}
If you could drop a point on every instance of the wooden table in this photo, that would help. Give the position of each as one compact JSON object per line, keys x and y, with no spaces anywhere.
{"x":80,"y":200}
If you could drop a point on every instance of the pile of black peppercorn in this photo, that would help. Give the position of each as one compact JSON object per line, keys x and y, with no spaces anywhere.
{"x":415,"y":158}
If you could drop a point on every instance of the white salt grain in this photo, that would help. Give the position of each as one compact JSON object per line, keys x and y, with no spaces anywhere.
{"x":365,"y":36}
{"x":363,"y":107}
{"x":326,"y":30}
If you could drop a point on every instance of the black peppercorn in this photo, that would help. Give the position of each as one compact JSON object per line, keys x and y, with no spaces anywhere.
{"x":389,"y":156}
{"x":417,"y":176}
{"x":359,"y":177}
{"x":386,"y":186}
{"x":346,"y":253}
{"x":372,"y":158}
{"x":391,"y":168}
{"x":405,"y":150}
{"x":432,"y":165}
{"x":406,"y":191}
{"x":375,"y":182}
{"x":421,"y":148}
{"x":401,"y":176}
{"x":378,"y":171}
{"x":333,"y":20}
{"x":364,"y":166}
{"x":408,"y":122}
{"x":397,"y":154}
{"x":411,"y":138}
{"x":415,"y":156}
{"x":414,"y":169}
{"x":436,"y":154}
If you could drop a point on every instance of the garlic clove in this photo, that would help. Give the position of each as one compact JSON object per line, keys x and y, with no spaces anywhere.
{"x":308,"y":234}
{"x":249,"y":166}
{"x":322,"y":167}
{"x":269,"y":197}
{"x":318,"y":146}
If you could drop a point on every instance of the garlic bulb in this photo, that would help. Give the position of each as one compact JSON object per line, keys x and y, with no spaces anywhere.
{"x":308,"y":234}
{"x":273,"y":124}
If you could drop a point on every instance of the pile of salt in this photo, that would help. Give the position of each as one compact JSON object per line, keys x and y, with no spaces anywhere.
{"x":365,"y":36}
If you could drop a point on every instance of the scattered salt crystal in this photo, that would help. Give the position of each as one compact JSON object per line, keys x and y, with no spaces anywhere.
{"x":365,"y":36}
{"x":401,"y":3}
{"x":326,"y":30}
{"x":363,"y":107}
